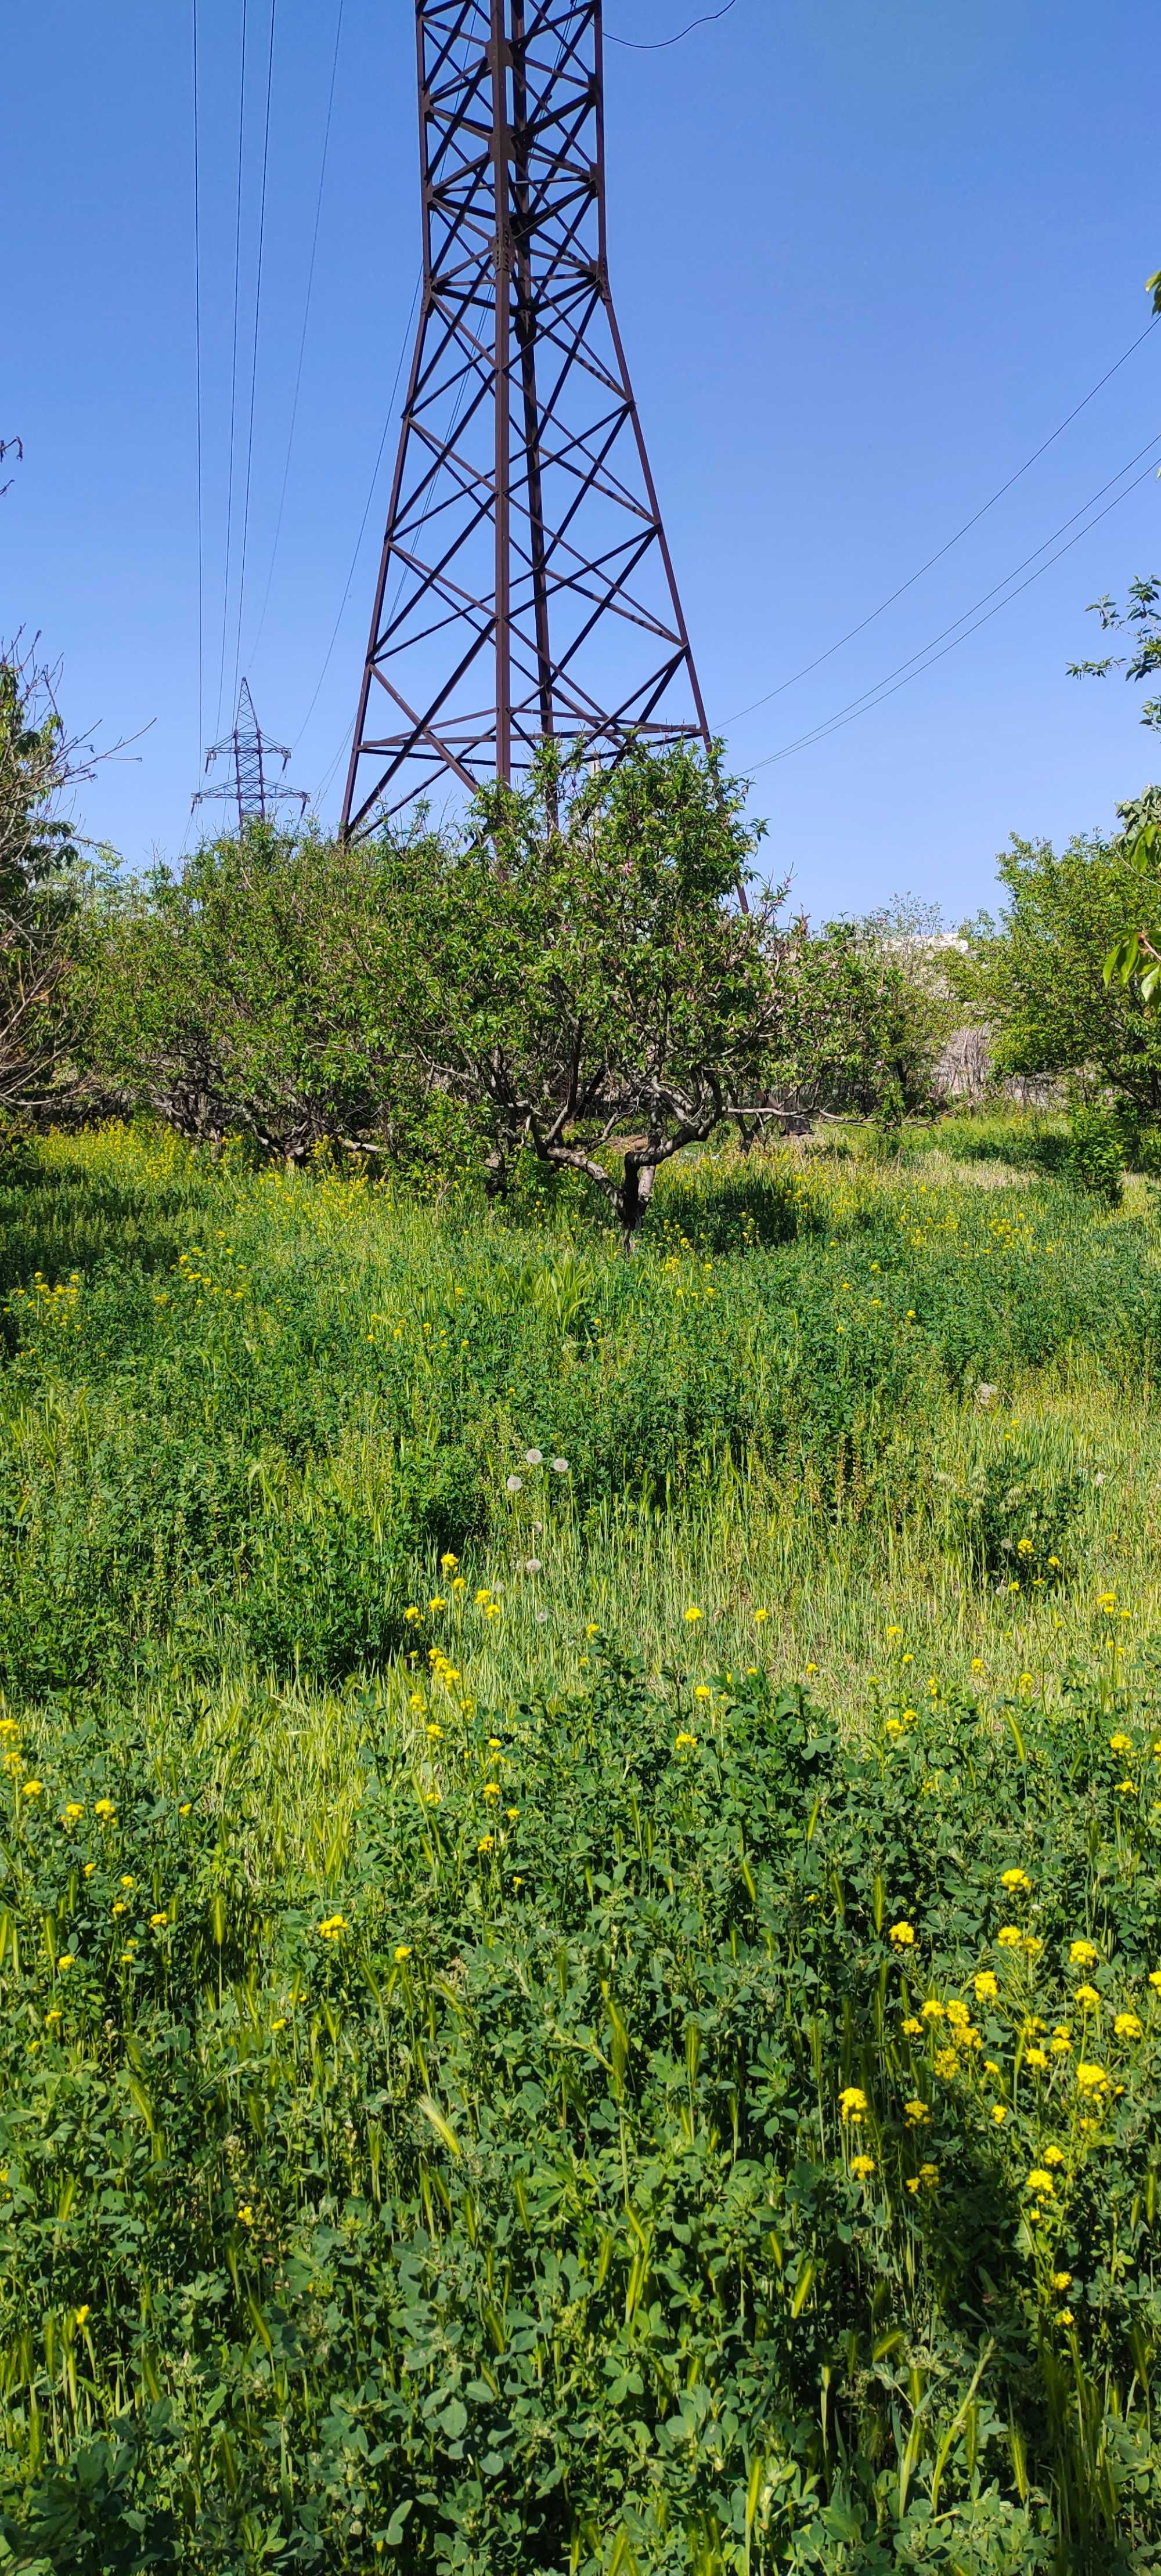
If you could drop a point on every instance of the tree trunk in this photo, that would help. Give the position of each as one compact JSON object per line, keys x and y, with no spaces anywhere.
{"x":633,"y":1198}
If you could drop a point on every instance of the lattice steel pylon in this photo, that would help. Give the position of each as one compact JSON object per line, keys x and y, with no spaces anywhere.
{"x":248,"y":749}
{"x":525,"y":587}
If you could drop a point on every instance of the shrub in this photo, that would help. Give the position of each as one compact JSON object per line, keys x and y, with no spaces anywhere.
{"x":1095,"y":1153}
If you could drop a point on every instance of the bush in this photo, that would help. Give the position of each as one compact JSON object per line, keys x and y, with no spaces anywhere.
{"x":1095,"y":1153}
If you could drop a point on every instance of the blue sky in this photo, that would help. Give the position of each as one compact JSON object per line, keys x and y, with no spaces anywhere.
{"x":866,"y":256}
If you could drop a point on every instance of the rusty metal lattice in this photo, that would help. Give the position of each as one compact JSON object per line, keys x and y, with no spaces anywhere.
{"x":525,"y":587}
{"x":250,"y":753}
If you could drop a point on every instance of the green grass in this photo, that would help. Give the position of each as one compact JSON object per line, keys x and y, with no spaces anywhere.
{"x":513,"y":2223}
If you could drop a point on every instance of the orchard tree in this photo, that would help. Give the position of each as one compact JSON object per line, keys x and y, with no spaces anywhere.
{"x":239,"y":997}
{"x":868,"y":1010}
{"x":581,"y":972}
{"x":39,"y":860}
{"x":1035,"y":976}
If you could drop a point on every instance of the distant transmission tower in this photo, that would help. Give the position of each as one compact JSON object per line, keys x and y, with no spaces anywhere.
{"x":248,"y":750}
{"x":525,"y":588}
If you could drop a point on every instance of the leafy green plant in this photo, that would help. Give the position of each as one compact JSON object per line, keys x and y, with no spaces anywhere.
{"x":1013,"y":1524}
{"x":1095,"y":1152}
{"x":1036,"y":976}
{"x":500,"y":2178}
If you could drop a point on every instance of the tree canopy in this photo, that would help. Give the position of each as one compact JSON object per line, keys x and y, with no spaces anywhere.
{"x":1035,"y":974}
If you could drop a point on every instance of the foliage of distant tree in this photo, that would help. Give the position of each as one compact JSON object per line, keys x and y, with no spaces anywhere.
{"x":39,"y":861}
{"x":1035,"y":974}
{"x":572,"y":975}
{"x":869,"y":1009}
{"x":255,"y":994}
{"x":582,"y":972}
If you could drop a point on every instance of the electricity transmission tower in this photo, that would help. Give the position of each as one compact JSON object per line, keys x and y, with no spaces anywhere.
{"x":248,"y":749}
{"x":525,"y":587}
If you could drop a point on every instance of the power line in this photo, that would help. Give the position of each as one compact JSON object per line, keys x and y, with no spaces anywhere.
{"x":662,"y":45}
{"x":254,"y":352}
{"x":363,"y":521}
{"x":892,"y":683}
{"x":198,"y":365}
{"x":233,"y":371}
{"x":302,"y":340}
{"x":943,"y":550}
{"x":392,"y":603}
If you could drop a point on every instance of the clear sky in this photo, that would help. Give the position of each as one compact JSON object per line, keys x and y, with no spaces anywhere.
{"x":867,"y":254}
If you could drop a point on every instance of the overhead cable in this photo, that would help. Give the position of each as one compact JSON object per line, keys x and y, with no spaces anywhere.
{"x":363,"y":521}
{"x":662,"y":44}
{"x":891,"y":682}
{"x":253,"y":655}
{"x":197,"y":235}
{"x":943,"y":550}
{"x":233,"y":372}
{"x":254,"y":351}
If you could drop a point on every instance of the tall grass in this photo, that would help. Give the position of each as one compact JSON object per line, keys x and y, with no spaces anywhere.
{"x":464,"y":2005}
{"x":248,"y":1427}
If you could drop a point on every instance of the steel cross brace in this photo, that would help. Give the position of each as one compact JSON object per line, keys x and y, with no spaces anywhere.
{"x":525,"y":586}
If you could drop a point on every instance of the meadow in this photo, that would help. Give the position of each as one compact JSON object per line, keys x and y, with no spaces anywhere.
{"x":579,"y":1903}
